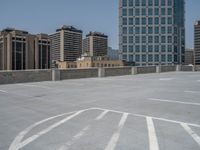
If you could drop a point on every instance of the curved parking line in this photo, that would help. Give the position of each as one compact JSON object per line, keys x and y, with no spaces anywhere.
{"x":17,"y":144}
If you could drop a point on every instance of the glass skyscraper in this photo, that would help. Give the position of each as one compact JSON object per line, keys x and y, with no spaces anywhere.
{"x":152,"y":32}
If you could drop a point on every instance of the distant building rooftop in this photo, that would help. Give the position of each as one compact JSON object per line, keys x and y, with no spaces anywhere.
{"x":197,"y":22}
{"x":69,"y":28}
{"x":8,"y":30}
{"x":96,"y":34}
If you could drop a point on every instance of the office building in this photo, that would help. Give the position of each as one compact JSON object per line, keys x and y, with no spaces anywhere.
{"x":20,"y":50}
{"x":152,"y":32}
{"x":189,"y":57}
{"x":42,"y":51}
{"x":113,"y":53}
{"x":16,"y":50}
{"x":66,"y":44}
{"x":197,"y":42}
{"x":95,"y":44}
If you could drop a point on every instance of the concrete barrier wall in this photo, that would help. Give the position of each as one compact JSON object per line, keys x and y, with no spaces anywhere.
{"x":168,"y":68}
{"x":118,"y":71}
{"x":78,"y":73}
{"x":7,"y":77}
{"x":197,"y":68}
{"x":187,"y":68}
{"x":146,"y":69}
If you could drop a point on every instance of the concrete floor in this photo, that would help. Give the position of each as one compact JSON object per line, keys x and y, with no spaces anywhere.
{"x":141,"y":112}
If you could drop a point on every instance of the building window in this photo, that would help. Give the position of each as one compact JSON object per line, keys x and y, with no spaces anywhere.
{"x":143,"y":30}
{"x":137,"y":58}
{"x":130,"y":21}
{"x":137,"y":48}
{"x":137,"y":11}
{"x":124,"y":39}
{"x":163,"y":48}
{"x":150,"y":11}
{"x":156,"y":30}
{"x":156,"y":48}
{"x":143,"y":21}
{"x":124,"y":12}
{"x":143,"y":11}
{"x":130,"y":30}
{"x":169,"y":30}
{"x":169,"y":58}
{"x":130,"y":39}
{"x":163,"y":2}
{"x":137,"y":21}
{"x":130,"y":48}
{"x":169,"y":11}
{"x":156,"y":11}
{"x":156,"y":20}
{"x":124,"y":48}
{"x":150,"y":39}
{"x":137,"y":30}
{"x":130,"y":12}
{"x":169,"y":48}
{"x":150,"y":2}
{"x":144,"y":58}
{"x":169,"y":39}
{"x":150,"y":48}
{"x":124,"y":30}
{"x":124,"y":57}
{"x":169,"y":20}
{"x":143,"y":2}
{"x":163,"y":20}
{"x":163,"y":58}
{"x":150,"y":58}
{"x":163,"y":11}
{"x":124,"y":3}
{"x":144,"y":49}
{"x":163,"y":30}
{"x":157,"y":58}
{"x":163,"y":39}
{"x":156,"y":3}
{"x":150,"y":30}
{"x":124,"y":22}
{"x":137,"y":2}
{"x":150,"y":21}
{"x":137,"y":39}
{"x":143,"y":39}
{"x":130,"y":2}
{"x":131,"y":58}
{"x":156,"y":39}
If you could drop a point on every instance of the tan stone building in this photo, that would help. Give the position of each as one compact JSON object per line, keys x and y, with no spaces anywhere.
{"x":20,"y":50}
{"x":95,"y":44}
{"x":66,"y":44}
{"x":66,"y":64}
{"x":97,"y":61}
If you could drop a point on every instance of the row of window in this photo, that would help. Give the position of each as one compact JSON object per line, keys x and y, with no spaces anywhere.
{"x":132,"y":3}
{"x":149,"y":21}
{"x":149,"y":48}
{"x":149,"y":39}
{"x":147,"y":30}
{"x":148,"y":58}
{"x":146,"y":12}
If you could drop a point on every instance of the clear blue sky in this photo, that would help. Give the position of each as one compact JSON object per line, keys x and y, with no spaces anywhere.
{"x":45,"y":16}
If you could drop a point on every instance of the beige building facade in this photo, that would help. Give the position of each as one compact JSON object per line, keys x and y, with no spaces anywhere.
{"x":97,"y":61}
{"x":19,"y":50}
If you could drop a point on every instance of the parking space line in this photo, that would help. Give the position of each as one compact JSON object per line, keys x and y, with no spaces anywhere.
{"x":153,"y":142}
{"x":194,"y":92}
{"x":191,"y":133}
{"x":82,"y":132}
{"x":114,"y":139}
{"x":173,"y":101}
{"x":166,"y":79}
{"x":102,"y":115}
{"x":2,"y":91}
{"x":37,"y":86}
{"x":157,"y":118}
{"x":75,"y":138}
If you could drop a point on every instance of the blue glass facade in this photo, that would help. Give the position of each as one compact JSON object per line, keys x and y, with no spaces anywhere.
{"x":152,"y":32}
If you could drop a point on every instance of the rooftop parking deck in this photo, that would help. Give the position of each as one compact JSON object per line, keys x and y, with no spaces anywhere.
{"x":141,"y":112}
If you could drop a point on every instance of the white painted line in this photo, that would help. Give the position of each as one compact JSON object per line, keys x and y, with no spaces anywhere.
{"x":102,"y":115}
{"x":113,"y":141}
{"x":166,"y":79}
{"x":34,"y":137}
{"x":37,"y":86}
{"x":191,"y":133}
{"x":18,"y":139}
{"x":75,"y":138}
{"x":156,"y":118}
{"x":2,"y":91}
{"x":173,"y":101}
{"x":153,"y":142}
{"x":194,"y":92}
